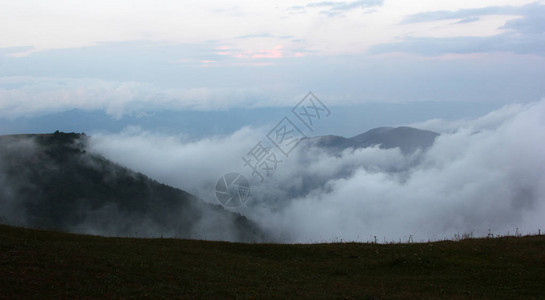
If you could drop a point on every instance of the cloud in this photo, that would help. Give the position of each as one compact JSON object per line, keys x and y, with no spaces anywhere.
{"x":486,"y":174}
{"x":276,"y":52}
{"x":15,"y":51}
{"x":468,"y":20}
{"x":171,"y":22}
{"x":345,"y":5}
{"x":489,"y":121}
{"x":258,"y":35}
{"x":133,"y":82}
{"x":465,"y":45}
{"x":336,"y":8}
{"x":523,"y":35}
{"x":32,"y":24}
{"x":191,"y":165}
{"x":31,"y":96}
{"x":431,"y":16}
{"x":532,"y":23}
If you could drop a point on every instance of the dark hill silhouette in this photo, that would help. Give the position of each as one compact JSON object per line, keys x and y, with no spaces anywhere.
{"x":407,"y":139}
{"x":50,"y":181}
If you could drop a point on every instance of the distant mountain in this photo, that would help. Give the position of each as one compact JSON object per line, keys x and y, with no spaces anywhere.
{"x":407,"y":139}
{"x":50,"y":181}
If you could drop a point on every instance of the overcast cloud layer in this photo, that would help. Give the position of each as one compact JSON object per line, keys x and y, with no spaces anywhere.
{"x":282,"y":28}
{"x":140,"y":56}
{"x":480,"y":175}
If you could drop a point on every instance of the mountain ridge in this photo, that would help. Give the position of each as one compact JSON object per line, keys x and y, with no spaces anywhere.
{"x":50,"y":181}
{"x":407,"y":139}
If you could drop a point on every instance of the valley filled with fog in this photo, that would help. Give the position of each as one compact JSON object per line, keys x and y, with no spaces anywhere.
{"x":480,"y":176}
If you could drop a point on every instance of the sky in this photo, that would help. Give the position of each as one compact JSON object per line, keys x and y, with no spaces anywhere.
{"x":180,"y":90}
{"x":188,"y":67}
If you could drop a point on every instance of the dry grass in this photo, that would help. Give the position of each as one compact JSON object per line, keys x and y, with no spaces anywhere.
{"x":42,"y":264}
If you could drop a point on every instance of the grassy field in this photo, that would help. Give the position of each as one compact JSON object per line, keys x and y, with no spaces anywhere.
{"x":38,"y":264}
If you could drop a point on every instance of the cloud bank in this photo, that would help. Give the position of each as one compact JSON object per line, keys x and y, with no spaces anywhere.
{"x":31,"y":96}
{"x":480,"y":175}
{"x":521,"y":35}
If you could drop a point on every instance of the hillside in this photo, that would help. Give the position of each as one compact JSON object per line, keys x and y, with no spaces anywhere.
{"x":407,"y":139}
{"x":42,"y":264}
{"x":51,"y":182}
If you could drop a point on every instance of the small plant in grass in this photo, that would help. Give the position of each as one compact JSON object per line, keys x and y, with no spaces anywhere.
{"x":490,"y":235}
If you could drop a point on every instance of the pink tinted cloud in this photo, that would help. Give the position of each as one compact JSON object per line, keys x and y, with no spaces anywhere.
{"x":244,"y":54}
{"x":276,"y":52}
